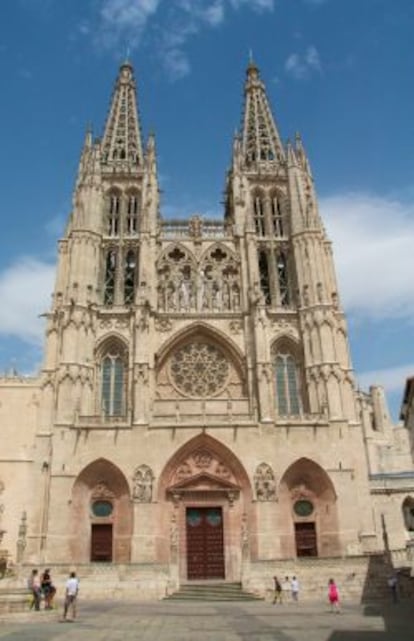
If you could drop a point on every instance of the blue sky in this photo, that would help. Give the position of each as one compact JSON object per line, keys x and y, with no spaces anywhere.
{"x":339,"y":71}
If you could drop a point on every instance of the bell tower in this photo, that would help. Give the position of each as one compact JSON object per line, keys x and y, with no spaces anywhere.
{"x":104,"y":264}
{"x":272,"y":205}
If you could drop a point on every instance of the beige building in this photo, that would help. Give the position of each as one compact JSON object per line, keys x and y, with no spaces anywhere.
{"x":197,"y":416}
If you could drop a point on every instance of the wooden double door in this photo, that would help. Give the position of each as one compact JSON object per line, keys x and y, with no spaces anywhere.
{"x":306,"y":542}
{"x":205,"y":543}
{"x":101,"y":542}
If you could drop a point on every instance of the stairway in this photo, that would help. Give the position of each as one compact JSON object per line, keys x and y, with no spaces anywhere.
{"x":212,"y":592}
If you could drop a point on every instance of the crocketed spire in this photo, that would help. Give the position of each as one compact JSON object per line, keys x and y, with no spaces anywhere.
{"x":121,"y":144}
{"x":260,"y":143}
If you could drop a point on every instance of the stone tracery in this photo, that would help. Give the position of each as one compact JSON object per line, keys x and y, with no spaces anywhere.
{"x":212,"y":284}
{"x":199,"y":369}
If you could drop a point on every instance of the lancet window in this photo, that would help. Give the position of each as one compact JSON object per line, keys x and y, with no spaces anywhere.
{"x":114,"y":210}
{"x":110,"y":277}
{"x":113,"y":379}
{"x":133,"y":210}
{"x":287,"y":382}
{"x":283,"y":278}
{"x":264,"y":276}
{"x":277,"y":216}
{"x":130,"y":270}
{"x":259,"y":214}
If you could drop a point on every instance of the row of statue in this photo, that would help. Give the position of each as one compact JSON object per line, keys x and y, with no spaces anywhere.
{"x":205,"y":295}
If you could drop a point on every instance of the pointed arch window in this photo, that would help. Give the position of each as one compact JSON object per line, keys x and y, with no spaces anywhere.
{"x":110,"y":276}
{"x":133,"y":207}
{"x":114,"y":208}
{"x":264,"y":276}
{"x":259,"y":215}
{"x":113,"y":384}
{"x":130,"y":270}
{"x":287,"y":384}
{"x":283,"y":278}
{"x":277,"y":216}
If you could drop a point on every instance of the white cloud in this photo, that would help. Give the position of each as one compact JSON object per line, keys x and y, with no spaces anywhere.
{"x":391,"y":378}
{"x":373,"y":243}
{"x":25,"y":289}
{"x":124,"y":21}
{"x":167,"y":25}
{"x":301,"y":66}
{"x":256,"y":5}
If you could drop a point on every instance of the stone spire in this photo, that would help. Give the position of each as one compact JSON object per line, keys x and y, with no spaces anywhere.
{"x":260,"y":142}
{"x":121,"y":144}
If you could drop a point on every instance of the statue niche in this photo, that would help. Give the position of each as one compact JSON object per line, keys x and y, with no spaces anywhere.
{"x":264,"y":483}
{"x":142,"y":484}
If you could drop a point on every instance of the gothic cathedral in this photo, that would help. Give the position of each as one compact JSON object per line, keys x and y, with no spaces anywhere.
{"x":196,"y":416}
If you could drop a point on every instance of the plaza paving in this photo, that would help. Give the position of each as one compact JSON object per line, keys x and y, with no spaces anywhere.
{"x":178,"y":621}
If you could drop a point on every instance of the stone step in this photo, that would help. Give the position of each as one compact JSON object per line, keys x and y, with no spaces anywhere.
{"x":212,"y":592}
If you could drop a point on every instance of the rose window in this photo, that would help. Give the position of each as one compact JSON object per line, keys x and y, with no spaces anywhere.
{"x":199,"y":369}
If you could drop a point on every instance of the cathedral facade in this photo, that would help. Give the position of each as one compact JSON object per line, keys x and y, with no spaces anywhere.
{"x":197,"y":412}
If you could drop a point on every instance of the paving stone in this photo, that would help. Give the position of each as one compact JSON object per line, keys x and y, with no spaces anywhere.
{"x":256,"y":621}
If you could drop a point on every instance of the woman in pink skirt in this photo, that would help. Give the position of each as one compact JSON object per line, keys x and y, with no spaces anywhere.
{"x":333,"y":596}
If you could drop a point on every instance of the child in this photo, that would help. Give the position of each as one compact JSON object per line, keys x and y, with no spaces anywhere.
{"x":333,"y":596}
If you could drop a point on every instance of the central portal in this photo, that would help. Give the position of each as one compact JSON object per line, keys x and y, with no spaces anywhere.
{"x":205,"y":549}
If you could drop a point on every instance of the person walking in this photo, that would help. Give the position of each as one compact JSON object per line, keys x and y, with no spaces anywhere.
{"x":393,"y":586}
{"x":294,"y":588}
{"x":333,"y":596}
{"x":286,"y":588}
{"x":72,"y":589}
{"x":34,"y":585}
{"x":277,"y":598}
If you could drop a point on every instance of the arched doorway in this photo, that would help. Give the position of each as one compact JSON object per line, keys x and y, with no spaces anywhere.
{"x":101,"y":515}
{"x":308,"y":511}
{"x":205,"y":502}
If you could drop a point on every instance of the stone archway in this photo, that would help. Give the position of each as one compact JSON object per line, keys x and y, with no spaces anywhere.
{"x":204,"y":485}
{"x":101,"y":515}
{"x":308,"y":508}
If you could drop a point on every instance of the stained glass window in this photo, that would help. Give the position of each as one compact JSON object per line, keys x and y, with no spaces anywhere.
{"x":113,"y":372}
{"x":287,"y":385}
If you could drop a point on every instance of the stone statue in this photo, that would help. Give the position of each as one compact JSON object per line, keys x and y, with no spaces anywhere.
{"x":143,"y":480}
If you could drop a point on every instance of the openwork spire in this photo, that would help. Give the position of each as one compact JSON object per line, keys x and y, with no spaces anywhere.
{"x":121,"y":144}
{"x":261,"y":145}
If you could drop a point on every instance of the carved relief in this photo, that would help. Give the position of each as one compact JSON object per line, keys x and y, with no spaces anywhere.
{"x":102,"y":491}
{"x":163,"y":324}
{"x":142,"y":484}
{"x":203,"y":461}
{"x":183,"y":472}
{"x":235,"y":326}
{"x":264,"y":483}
